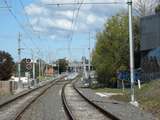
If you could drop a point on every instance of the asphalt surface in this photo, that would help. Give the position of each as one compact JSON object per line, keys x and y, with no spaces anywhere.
{"x":80,"y":108}
{"x":47,"y":107}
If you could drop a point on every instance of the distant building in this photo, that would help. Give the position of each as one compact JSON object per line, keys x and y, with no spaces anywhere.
{"x":49,"y":71}
{"x":150,"y":47}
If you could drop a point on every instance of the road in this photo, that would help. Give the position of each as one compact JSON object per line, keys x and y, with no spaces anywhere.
{"x":48,"y":106}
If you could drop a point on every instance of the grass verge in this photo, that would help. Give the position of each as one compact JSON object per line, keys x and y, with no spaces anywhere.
{"x":148,"y":96}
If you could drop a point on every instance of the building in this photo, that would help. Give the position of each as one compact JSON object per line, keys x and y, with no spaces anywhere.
{"x":49,"y":71}
{"x":150,"y":47}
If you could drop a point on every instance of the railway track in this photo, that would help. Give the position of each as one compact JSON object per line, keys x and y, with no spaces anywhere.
{"x":78,"y":107}
{"x":15,"y":107}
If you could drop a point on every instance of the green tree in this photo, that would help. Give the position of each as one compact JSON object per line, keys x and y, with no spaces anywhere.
{"x":157,"y":9}
{"x":6,"y":65}
{"x":112,"y":48}
{"x":63,"y":64}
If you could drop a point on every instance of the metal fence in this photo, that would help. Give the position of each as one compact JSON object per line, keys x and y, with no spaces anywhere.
{"x":150,"y":76}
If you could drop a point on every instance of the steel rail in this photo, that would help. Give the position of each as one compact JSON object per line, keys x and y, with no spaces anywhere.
{"x":48,"y":86}
{"x":43,"y":87}
{"x":106,"y":113}
{"x":65,"y":104}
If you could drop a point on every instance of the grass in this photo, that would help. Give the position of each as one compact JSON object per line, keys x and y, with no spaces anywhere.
{"x":148,"y":96}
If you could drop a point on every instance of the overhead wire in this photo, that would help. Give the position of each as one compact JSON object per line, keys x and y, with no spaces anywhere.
{"x":19,"y":23}
{"x":26,"y":15}
{"x":27,"y":18}
{"x":85,"y":3}
{"x":74,"y":24}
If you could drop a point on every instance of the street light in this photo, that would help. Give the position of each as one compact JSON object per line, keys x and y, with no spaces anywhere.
{"x":131,"y":49}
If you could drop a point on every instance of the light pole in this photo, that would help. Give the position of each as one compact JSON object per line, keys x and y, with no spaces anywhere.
{"x":89,"y":50}
{"x":131,"y":49}
{"x":19,"y":62}
{"x":33,"y":69}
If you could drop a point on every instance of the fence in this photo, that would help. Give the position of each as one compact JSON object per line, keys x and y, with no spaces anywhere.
{"x":150,"y":76}
{"x":7,"y":87}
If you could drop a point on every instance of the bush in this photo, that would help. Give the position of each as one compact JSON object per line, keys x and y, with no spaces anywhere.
{"x":6,"y":66}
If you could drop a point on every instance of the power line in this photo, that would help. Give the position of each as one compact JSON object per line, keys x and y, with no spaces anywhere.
{"x":74,"y":23}
{"x":27,"y":18}
{"x":18,"y":22}
{"x":85,"y":3}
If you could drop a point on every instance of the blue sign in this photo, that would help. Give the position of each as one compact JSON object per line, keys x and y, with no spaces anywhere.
{"x":125,"y":75}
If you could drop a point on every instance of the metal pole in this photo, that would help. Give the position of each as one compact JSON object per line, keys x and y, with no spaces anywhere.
{"x":19,"y":62}
{"x":89,"y":66}
{"x":33,"y":70}
{"x":58,"y":67}
{"x":131,"y":44}
{"x":39,"y":63}
{"x":89,"y":62}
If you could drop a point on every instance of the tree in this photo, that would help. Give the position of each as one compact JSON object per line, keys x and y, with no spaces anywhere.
{"x":111,"y":53}
{"x":6,"y":66}
{"x":157,"y":9}
{"x":112,"y":50}
{"x":63,"y":64}
{"x":145,"y":7}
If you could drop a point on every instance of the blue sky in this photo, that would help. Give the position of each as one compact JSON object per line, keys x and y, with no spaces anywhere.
{"x":49,"y":28}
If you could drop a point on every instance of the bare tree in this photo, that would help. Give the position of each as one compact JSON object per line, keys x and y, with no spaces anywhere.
{"x":145,"y":7}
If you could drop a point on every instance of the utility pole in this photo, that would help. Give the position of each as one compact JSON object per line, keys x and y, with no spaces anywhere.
{"x":39,"y":66}
{"x":89,"y":60}
{"x":131,"y":44}
{"x":33,"y":69}
{"x":58,"y":68}
{"x":19,"y":62}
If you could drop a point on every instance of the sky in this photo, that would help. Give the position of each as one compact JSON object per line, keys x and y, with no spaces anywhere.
{"x":47,"y":31}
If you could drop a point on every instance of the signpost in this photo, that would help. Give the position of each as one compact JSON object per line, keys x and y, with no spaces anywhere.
{"x":28,"y":64}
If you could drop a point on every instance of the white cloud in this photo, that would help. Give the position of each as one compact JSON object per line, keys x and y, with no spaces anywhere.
{"x":57,"y":20}
{"x":91,"y":19}
{"x":67,"y":13}
{"x":34,"y":9}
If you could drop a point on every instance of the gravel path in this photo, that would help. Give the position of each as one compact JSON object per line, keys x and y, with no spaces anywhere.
{"x":9,"y":111}
{"x":81,"y":109}
{"x":48,"y":106}
{"x":123,"y":111}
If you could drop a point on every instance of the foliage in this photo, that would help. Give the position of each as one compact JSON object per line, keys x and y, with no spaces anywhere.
{"x":6,"y":65}
{"x":63,"y":64}
{"x":112,"y":48}
{"x":148,"y":97}
{"x":157,"y":9}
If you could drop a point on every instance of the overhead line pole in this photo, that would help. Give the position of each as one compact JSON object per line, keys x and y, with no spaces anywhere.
{"x":19,"y":62}
{"x":89,"y":55}
{"x":131,"y":49}
{"x":33,"y":68}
